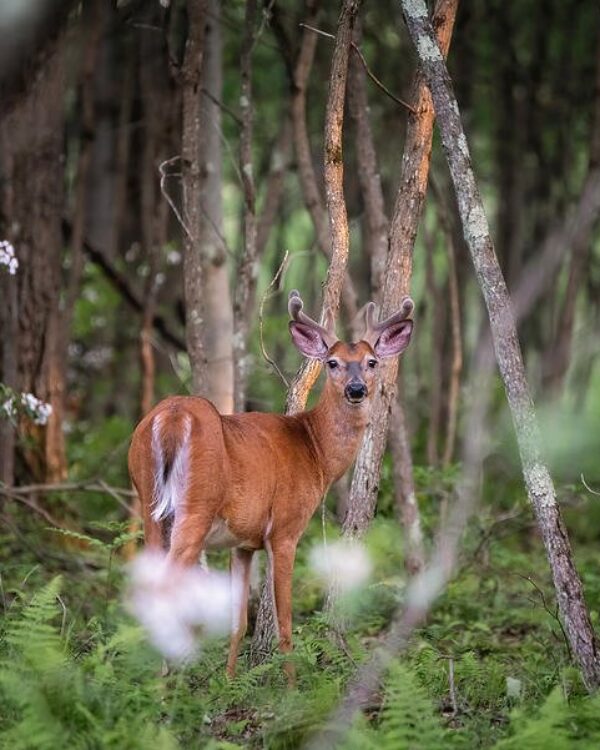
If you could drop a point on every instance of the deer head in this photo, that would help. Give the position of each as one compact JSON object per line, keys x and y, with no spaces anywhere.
{"x":351,"y":367}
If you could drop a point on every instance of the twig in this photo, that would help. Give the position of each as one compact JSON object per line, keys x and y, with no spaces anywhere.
{"x":368,"y":70}
{"x":32,"y":505}
{"x":163,"y":177}
{"x":223,"y":107}
{"x":274,"y":281}
{"x":588,"y":488}
{"x":89,"y":485}
{"x":552,"y":612}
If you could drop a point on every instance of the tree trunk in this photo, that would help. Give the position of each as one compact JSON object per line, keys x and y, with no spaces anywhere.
{"x":191,"y":142}
{"x":407,"y":213}
{"x":540,"y":488}
{"x":306,"y":173}
{"x":248,"y":268}
{"x":338,"y":227}
{"x":404,"y":491}
{"x":218,"y":309}
{"x":31,"y":137}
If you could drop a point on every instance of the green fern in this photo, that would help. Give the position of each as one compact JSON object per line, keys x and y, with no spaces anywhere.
{"x":408,"y":719}
{"x":52,"y":699}
{"x":557,"y":725}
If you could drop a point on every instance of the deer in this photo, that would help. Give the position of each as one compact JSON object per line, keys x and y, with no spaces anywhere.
{"x":251,"y":481}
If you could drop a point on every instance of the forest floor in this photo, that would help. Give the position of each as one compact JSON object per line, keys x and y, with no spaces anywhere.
{"x":490,"y":669}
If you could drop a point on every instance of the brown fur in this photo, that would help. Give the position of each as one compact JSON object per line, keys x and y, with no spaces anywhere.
{"x":263,"y":475}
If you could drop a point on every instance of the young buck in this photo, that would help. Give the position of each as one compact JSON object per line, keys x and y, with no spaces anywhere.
{"x":252,"y":481}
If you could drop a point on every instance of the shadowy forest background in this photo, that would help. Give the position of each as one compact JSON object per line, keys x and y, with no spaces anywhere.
{"x":168,"y":172}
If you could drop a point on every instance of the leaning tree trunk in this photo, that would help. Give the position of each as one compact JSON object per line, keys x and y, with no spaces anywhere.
{"x":407,"y":213}
{"x":540,"y":488}
{"x":340,"y":244}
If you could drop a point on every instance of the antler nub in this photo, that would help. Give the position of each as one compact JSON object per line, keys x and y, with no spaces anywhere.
{"x":373,"y":329}
{"x":296,"y":311}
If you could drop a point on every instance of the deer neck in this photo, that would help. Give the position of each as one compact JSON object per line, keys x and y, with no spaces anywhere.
{"x":336,"y":428}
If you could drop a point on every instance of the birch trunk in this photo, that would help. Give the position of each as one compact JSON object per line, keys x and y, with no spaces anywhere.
{"x":540,"y":488}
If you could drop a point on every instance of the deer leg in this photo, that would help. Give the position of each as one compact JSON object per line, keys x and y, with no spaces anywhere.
{"x":241,"y":561}
{"x":282,"y":555}
{"x":187,"y":536}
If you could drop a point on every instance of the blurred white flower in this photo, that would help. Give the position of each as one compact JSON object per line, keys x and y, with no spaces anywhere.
{"x":176,"y":605}
{"x":173,"y":257}
{"x":345,"y":565}
{"x":38,"y":410}
{"x":8,"y":257}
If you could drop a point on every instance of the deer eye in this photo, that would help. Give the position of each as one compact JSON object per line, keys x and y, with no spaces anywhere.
{"x":372,"y":363}
{"x":332,"y":364}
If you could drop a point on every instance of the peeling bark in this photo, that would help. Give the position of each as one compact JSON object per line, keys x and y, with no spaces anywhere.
{"x":540,"y":488}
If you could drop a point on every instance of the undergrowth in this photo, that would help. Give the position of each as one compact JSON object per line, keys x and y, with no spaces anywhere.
{"x":489,"y":670}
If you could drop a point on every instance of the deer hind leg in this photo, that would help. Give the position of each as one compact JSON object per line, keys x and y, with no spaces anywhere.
{"x":190,"y":528}
{"x":282,"y":556}
{"x":241,"y":563}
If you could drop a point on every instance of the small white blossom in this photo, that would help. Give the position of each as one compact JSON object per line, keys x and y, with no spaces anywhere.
{"x":345,"y":565}
{"x":38,"y":410}
{"x":8,"y":257}
{"x":176,"y":605}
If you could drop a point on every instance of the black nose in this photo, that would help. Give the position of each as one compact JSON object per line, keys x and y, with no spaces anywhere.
{"x":356,"y":391}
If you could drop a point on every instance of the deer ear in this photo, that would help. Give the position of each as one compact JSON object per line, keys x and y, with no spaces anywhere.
{"x":308,"y":341}
{"x":394,"y":339}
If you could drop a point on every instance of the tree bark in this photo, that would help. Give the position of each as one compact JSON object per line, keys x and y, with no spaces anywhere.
{"x":248,"y":267}
{"x":377,"y":222}
{"x":338,"y":227}
{"x":218,"y":308}
{"x":306,"y":173}
{"x":404,"y":490}
{"x":32,"y":151}
{"x":191,"y":142}
{"x":377,"y":226}
{"x":540,"y":488}
{"x":558,"y":355}
{"x":407,"y":213}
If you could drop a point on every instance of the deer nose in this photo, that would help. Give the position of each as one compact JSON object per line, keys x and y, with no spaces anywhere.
{"x":356,"y":391}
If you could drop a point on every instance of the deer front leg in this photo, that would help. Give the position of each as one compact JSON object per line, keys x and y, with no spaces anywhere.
{"x":241,"y":561}
{"x":282,"y":555}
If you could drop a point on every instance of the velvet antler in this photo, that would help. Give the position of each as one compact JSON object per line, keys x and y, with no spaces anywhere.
{"x":295,"y":308}
{"x":374,"y":329}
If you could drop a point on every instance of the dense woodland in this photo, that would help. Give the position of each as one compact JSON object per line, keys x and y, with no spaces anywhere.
{"x":169,"y":171}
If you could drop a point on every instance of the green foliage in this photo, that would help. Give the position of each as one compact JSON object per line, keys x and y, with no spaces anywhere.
{"x":54,"y":698}
{"x":557,"y":725}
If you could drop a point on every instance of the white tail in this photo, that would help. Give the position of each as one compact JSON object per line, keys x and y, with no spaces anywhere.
{"x":169,"y":480}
